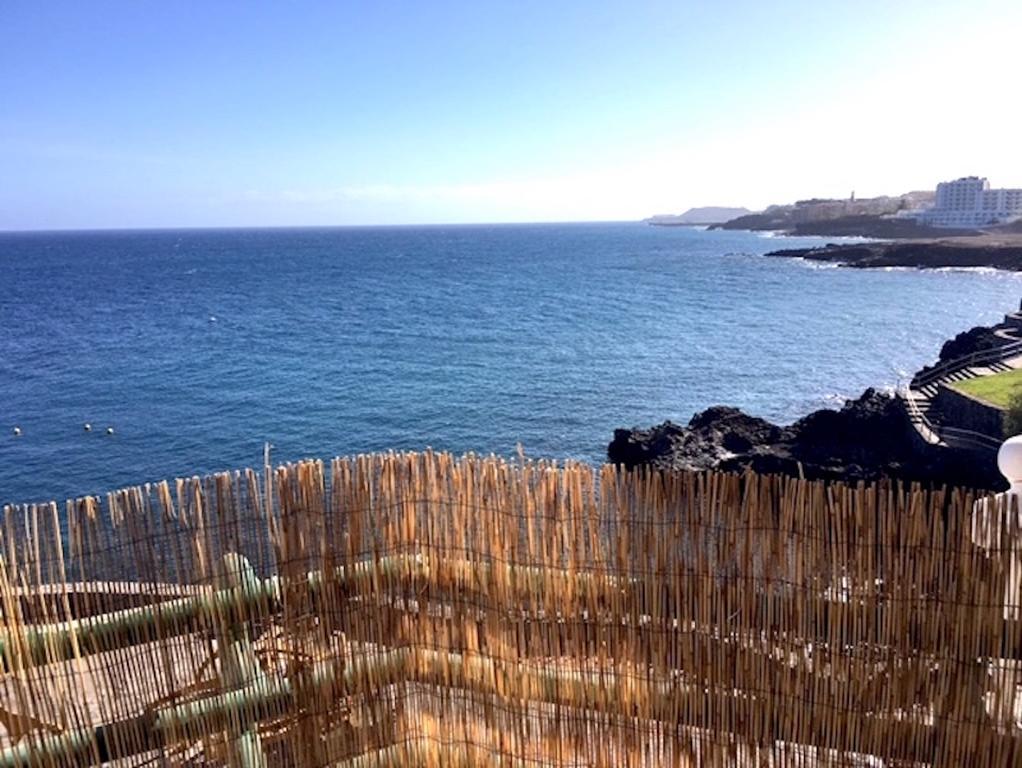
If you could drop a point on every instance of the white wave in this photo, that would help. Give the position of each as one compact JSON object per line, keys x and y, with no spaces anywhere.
{"x":974,"y":270}
{"x":814,"y":264}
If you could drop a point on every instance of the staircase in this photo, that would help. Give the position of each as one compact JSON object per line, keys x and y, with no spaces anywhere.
{"x":919,"y":394}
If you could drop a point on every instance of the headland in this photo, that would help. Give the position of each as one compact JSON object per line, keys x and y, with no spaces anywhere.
{"x":1001,"y":250}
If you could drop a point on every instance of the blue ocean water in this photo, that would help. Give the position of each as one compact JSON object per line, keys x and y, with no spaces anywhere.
{"x":198,"y":346}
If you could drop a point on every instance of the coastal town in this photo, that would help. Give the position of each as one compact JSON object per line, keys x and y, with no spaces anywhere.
{"x":964,"y":206}
{"x":947,"y":421}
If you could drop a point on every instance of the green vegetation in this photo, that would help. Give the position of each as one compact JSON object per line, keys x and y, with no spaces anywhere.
{"x":997,"y":389}
{"x":1013,"y":416}
{"x":1003,"y":390}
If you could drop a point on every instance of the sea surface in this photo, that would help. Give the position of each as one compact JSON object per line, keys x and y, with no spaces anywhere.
{"x":199,"y":346}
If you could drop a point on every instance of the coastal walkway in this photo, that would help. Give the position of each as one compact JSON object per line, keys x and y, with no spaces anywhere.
{"x":920,"y":393}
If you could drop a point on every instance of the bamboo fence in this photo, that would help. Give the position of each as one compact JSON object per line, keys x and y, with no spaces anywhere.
{"x":422,"y":610}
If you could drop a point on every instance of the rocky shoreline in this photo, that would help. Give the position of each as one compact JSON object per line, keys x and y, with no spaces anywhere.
{"x":846,"y":226}
{"x":869,"y":438}
{"x":989,"y":251}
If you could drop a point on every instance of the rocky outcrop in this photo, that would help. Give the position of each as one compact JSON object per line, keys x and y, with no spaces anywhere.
{"x":1004,"y":252}
{"x":873,"y":226}
{"x":714,"y":436}
{"x":978,"y":339}
{"x":844,"y":226}
{"x":869,"y":438}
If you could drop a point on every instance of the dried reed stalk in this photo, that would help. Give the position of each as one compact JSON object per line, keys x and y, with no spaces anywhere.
{"x":417,"y":609}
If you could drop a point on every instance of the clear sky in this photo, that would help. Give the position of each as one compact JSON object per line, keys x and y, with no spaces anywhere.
{"x":177,"y":113}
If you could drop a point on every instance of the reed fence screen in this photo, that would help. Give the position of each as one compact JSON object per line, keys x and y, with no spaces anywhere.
{"x":422,"y":610}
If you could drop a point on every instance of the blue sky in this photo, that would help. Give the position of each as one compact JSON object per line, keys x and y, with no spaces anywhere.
{"x":138,"y":114}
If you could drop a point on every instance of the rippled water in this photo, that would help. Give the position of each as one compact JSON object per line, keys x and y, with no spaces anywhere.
{"x":198,"y":346}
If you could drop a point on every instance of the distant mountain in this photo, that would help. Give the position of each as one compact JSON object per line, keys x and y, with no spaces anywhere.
{"x":709,"y":214}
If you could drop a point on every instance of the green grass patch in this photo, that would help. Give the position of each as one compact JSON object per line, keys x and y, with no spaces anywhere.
{"x":997,"y":389}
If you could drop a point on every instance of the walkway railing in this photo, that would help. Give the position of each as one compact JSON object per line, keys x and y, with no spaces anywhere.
{"x":969,"y":438}
{"x":982,"y":357}
{"x":927,"y":430}
{"x":421,"y":610}
{"x":937,"y":434}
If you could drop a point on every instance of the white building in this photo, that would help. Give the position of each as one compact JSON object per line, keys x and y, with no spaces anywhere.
{"x":969,"y":202}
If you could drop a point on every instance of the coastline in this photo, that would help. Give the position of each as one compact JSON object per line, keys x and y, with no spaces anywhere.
{"x":991,"y":251}
{"x":871,"y":226}
{"x":869,"y":438}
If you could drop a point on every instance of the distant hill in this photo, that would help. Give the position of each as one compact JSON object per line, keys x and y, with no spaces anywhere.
{"x":709,"y":214}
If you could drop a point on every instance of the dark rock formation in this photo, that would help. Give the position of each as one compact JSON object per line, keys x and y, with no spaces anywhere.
{"x":869,"y":438}
{"x":711,"y":437}
{"x":996,"y":253}
{"x":968,"y":342}
{"x":873,"y":226}
{"x":844,"y":226}
{"x":775,"y":221}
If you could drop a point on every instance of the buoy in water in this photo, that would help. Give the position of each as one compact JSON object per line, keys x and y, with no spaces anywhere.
{"x":109,"y":430}
{"x":88,"y":427}
{"x":17,"y":431}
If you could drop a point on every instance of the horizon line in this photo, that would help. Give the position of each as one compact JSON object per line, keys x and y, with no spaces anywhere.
{"x":225,"y":227}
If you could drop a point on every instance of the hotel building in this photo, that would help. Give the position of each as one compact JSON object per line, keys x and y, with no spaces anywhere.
{"x":970,"y":202}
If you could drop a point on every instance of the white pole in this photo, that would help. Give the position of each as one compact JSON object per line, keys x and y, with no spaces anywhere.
{"x":992,"y":526}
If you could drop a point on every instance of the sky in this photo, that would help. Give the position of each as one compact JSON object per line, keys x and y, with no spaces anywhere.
{"x":166,"y":114}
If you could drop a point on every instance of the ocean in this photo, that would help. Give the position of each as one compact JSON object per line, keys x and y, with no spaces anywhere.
{"x":198,"y":346}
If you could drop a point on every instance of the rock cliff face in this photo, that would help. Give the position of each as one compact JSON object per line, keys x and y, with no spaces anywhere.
{"x":869,"y":438}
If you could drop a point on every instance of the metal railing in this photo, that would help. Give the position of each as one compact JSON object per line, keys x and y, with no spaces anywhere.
{"x":916,"y":415}
{"x":959,"y":436}
{"x":981,"y":357}
{"x":969,"y":437}
{"x":937,"y":433}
